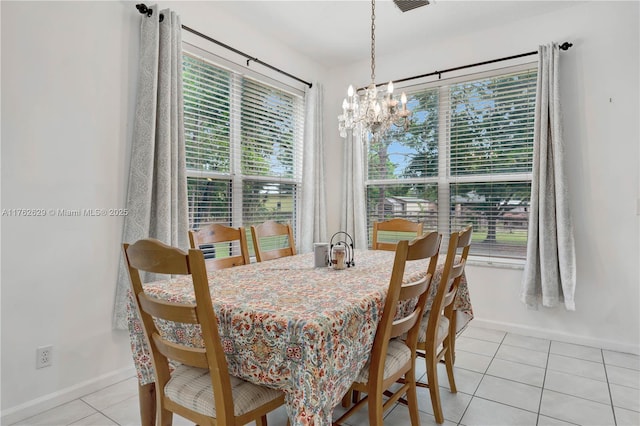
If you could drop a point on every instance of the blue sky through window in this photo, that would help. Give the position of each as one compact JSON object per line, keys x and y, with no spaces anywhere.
{"x":399,"y":154}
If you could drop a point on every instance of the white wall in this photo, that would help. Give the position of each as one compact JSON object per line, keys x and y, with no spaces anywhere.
{"x":67,"y":75}
{"x":600,"y":98}
{"x":68,"y":89}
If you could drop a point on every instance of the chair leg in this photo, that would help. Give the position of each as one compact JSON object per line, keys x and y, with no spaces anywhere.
{"x":347,"y":398}
{"x":375,"y":409}
{"x":448,"y":361}
{"x":434,"y":390}
{"x":453,"y":333}
{"x":166,"y":417}
{"x":412,"y":398}
{"x":147,"y":401}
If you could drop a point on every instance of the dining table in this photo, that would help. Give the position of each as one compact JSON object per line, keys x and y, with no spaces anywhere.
{"x":288,"y":325}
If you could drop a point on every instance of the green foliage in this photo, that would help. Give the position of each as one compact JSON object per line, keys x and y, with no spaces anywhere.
{"x":206,"y":112}
{"x":267,"y":125}
{"x":492,"y":125}
{"x":209,"y":201}
{"x":267,"y":201}
{"x":422,"y":135}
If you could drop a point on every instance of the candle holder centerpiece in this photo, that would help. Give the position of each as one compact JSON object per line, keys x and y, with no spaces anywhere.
{"x":341,"y":250}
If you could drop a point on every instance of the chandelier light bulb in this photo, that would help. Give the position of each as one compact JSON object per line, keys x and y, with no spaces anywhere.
{"x":390,"y":88}
{"x":350,"y":91}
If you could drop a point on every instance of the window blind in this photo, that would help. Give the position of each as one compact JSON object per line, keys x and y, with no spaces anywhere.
{"x":466,"y":158}
{"x":243,"y":146}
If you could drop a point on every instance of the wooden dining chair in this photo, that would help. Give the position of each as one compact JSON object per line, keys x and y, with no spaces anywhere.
{"x":462,"y":252}
{"x":394,"y":229}
{"x":393,"y":358}
{"x":272,"y":240}
{"x":437,"y":332}
{"x":211,"y":240}
{"x":200,"y":387}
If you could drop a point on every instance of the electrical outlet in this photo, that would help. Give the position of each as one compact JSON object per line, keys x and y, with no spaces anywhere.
{"x":43,"y":356}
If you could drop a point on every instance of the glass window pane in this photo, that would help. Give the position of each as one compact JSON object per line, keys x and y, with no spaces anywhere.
{"x":409,"y":153}
{"x":264,"y":201}
{"x":268,"y":121}
{"x":206,"y":115}
{"x":491,"y":125}
{"x":415,"y":202}
{"x":209,"y":201}
{"x":499,"y":213}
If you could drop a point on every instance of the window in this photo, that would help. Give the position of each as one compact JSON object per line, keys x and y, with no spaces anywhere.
{"x":465,"y":159}
{"x":243,"y":140}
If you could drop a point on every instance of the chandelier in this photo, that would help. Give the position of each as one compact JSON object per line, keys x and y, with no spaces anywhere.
{"x":375,"y":112}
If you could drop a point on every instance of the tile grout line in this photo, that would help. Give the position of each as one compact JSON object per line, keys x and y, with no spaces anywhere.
{"x":56,"y":408}
{"x":473,"y":395}
{"x":544,"y":380}
{"x":113,"y":420}
{"x":508,"y":405}
{"x":606,"y":376}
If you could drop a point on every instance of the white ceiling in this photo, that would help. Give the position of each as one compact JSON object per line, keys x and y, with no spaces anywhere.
{"x":337,"y":32}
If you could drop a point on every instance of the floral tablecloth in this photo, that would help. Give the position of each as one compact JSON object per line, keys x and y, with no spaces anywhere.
{"x":290,"y":326}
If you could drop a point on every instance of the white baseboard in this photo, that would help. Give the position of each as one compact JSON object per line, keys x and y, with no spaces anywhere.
{"x":544,"y":333}
{"x":46,"y":402}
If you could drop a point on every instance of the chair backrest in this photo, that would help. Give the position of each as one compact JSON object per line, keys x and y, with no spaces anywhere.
{"x":457,"y":252}
{"x":154,"y":256}
{"x":398,"y":229}
{"x":395,"y":322}
{"x":211,"y":238}
{"x":268,"y":239}
{"x":464,"y":243}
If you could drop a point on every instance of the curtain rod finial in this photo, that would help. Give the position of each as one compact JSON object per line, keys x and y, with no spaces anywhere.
{"x":566,"y":45}
{"x":142,"y":8}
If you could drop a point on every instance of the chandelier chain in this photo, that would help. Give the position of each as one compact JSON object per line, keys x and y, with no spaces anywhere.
{"x":373,"y":41}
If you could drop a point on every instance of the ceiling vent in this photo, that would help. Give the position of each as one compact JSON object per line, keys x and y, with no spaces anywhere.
{"x":406,"y":5}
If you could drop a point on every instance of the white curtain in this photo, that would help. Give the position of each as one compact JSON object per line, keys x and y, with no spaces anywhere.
{"x":157,"y":194}
{"x":313,"y":211}
{"x":353,"y":219}
{"x":550,"y":271}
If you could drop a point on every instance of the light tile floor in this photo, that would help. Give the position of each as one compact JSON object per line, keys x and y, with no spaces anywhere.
{"x":502,"y":379}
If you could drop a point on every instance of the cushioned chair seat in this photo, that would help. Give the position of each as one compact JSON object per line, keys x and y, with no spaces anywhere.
{"x":443,"y":327}
{"x":191,"y":387}
{"x":398,"y":354}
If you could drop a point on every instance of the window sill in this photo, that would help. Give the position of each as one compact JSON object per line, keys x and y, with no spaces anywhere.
{"x":499,"y":263}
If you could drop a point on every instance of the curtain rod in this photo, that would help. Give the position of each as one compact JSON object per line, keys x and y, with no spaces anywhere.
{"x":564,"y":46}
{"x":142,"y":8}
